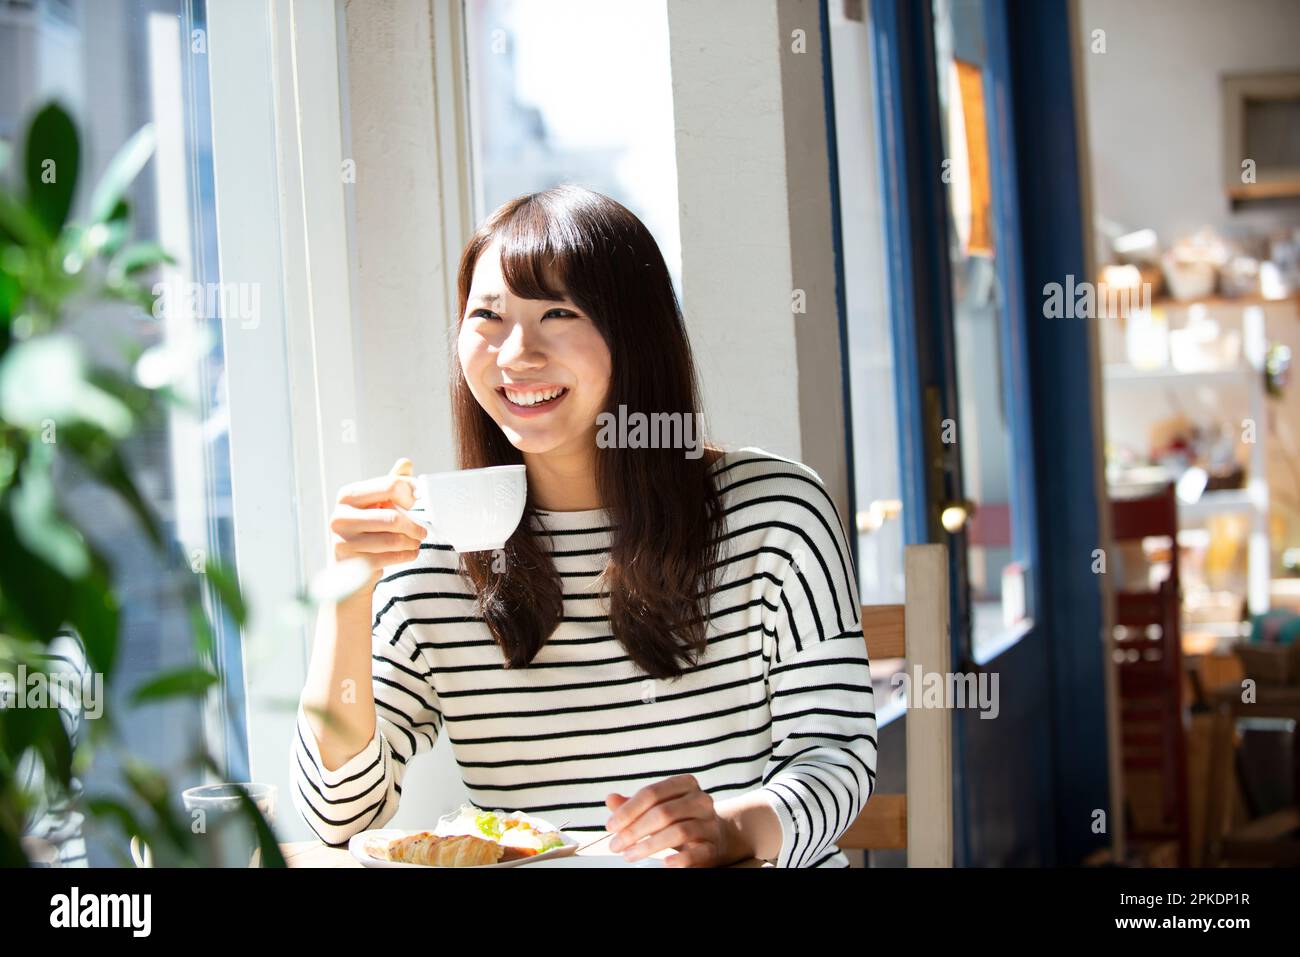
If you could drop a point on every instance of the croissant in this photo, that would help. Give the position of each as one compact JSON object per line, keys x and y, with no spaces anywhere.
{"x":461,"y":850}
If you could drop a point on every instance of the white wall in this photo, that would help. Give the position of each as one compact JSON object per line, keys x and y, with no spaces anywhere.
{"x":1153,"y":105}
{"x":754,"y":195}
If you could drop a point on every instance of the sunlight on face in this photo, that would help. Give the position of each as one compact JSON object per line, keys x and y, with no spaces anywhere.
{"x":540,"y":368}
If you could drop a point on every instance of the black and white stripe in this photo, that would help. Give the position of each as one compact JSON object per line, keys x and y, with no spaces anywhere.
{"x":57,"y":822}
{"x":781,"y":702}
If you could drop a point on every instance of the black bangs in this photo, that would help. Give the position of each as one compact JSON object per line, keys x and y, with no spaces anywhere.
{"x":542,"y":247}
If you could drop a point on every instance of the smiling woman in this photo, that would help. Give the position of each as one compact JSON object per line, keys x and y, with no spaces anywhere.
{"x":605,"y":326}
{"x":669,"y":646}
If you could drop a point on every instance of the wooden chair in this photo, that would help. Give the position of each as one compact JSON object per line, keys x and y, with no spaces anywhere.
{"x":1149,"y":663}
{"x":920,"y":820}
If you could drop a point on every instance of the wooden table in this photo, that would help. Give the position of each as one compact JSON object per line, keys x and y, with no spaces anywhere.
{"x":316,"y":854}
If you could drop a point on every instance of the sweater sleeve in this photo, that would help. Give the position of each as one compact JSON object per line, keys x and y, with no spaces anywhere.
{"x":823,"y":765}
{"x":364,"y":792}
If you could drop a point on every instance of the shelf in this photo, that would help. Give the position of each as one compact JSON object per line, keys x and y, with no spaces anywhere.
{"x":1219,"y":629}
{"x":1223,"y":302}
{"x":1122,"y":373}
{"x":1219,"y":502}
{"x":1241,"y":382}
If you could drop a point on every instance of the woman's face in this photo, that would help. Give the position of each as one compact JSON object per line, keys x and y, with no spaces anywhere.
{"x":539,"y":367}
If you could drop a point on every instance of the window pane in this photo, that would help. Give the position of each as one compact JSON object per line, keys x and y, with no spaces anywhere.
{"x":983,"y":426}
{"x":871,"y":359}
{"x":116,"y":65}
{"x":575,"y":91}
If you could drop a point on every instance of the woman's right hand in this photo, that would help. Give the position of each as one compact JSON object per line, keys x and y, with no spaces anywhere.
{"x":365,"y":524}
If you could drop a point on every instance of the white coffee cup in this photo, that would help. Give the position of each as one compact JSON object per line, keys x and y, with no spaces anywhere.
{"x":474,"y":510}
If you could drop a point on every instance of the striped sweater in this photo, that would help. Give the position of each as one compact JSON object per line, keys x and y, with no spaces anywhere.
{"x":780,"y":703}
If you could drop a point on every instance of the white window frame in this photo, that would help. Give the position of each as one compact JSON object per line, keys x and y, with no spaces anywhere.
{"x":281,"y":221}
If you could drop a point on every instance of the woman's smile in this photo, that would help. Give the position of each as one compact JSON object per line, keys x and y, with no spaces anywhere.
{"x":532,"y":399}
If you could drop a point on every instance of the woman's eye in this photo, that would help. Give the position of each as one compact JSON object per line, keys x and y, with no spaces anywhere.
{"x":485,"y":313}
{"x":560,"y":314}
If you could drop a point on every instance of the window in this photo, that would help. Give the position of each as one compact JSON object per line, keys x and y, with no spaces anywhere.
{"x":870,"y":361}
{"x":981,"y":251}
{"x":575,"y":91}
{"x":870,"y":338}
{"x":116,"y":65}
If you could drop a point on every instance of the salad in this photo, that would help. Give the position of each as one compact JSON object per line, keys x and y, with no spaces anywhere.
{"x":527,"y":835}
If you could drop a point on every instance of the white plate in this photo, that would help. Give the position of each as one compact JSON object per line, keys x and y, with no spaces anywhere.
{"x":357,"y":847}
{"x":601,"y":860}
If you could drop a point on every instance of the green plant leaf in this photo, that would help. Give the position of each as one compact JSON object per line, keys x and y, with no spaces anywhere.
{"x":43,"y":380}
{"x":121,"y":172}
{"x":133,"y":293}
{"x":101,"y":239}
{"x":266,"y":839}
{"x":55,"y":750}
{"x":137,"y":398}
{"x":52,"y":398}
{"x":111,"y":809}
{"x":41,"y":598}
{"x":226,"y":585}
{"x":204,"y":643}
{"x":35,"y":593}
{"x":95,"y":613}
{"x":96,"y":451}
{"x":10,"y":297}
{"x":182,"y":682}
{"x":136,"y":258}
{"x":11,"y":852}
{"x":153,"y":789}
{"x":119,"y":224}
{"x":39,"y":731}
{"x":53,"y":153}
{"x":19,"y":224}
{"x":37,"y":520}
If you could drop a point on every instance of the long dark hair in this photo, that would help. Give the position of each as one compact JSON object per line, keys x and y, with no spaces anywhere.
{"x":663,"y":505}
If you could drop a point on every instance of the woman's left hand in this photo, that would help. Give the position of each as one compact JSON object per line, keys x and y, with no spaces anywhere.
{"x":675,"y":813}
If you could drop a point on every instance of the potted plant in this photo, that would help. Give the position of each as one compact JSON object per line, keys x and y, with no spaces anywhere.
{"x":58,"y":408}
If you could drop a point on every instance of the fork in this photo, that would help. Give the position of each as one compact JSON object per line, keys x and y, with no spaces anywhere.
{"x":583,"y":847}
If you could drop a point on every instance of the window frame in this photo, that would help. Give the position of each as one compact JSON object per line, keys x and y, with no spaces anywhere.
{"x":277,"y":161}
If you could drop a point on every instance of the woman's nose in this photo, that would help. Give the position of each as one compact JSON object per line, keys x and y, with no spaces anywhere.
{"x":519,"y":350}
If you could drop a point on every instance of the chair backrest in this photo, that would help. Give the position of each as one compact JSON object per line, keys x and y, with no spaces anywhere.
{"x":1147,"y":655}
{"x":919,"y":820}
{"x":1148,"y":624}
{"x":1143,"y":513}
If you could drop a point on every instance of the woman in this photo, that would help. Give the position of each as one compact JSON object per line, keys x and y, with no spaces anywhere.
{"x":669,"y":646}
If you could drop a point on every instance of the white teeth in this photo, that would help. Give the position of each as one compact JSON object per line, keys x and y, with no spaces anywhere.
{"x":531,"y":398}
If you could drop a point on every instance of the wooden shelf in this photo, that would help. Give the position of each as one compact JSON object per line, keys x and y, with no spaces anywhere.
{"x":1247,"y":378}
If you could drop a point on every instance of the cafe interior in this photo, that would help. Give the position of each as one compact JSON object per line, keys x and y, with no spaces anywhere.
{"x":1019,"y":279}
